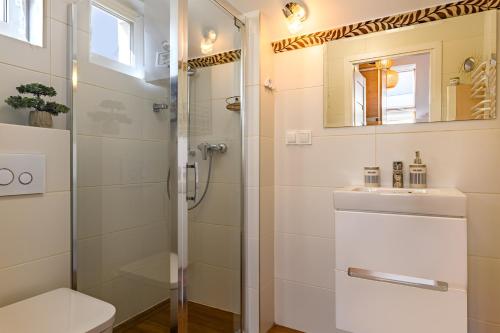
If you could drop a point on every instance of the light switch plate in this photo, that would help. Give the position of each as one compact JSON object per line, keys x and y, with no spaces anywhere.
{"x":22,"y":174}
{"x":299,"y":137}
{"x":291,"y":137}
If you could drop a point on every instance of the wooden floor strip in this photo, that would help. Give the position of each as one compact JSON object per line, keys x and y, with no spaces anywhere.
{"x":281,"y":329}
{"x":201,"y":319}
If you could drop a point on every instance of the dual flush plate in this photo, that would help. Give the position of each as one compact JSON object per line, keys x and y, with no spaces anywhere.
{"x":22,"y":174}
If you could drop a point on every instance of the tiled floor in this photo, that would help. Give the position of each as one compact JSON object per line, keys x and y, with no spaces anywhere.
{"x":202,"y":319}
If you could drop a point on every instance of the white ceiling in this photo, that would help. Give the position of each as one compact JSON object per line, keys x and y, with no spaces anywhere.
{"x":325,"y":14}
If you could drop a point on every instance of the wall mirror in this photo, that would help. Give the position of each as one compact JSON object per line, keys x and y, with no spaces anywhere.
{"x":436,"y":71}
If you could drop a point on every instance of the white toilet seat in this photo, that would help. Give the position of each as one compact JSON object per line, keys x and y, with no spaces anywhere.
{"x":58,"y":311}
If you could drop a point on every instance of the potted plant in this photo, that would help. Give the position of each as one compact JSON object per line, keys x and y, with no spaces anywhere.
{"x":41,"y":110}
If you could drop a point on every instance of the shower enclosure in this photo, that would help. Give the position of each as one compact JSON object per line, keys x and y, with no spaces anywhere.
{"x":157,"y":162}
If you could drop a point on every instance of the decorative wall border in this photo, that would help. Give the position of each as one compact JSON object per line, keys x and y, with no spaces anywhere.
{"x":216,"y":59}
{"x":430,"y":14}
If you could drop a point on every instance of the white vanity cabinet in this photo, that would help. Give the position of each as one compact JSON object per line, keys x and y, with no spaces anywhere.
{"x":400,"y":272}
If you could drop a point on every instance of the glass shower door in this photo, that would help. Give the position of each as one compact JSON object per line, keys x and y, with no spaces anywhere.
{"x":120,"y":130}
{"x":214,"y":179}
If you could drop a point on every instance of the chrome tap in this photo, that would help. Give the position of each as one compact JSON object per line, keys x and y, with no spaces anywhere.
{"x":397,"y":174}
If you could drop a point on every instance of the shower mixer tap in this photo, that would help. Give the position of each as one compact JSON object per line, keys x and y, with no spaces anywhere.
{"x":207,"y":148}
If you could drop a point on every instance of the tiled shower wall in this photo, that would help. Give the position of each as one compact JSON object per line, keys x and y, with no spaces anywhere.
{"x":122,"y":148}
{"x":465,"y":155}
{"x":215,"y":225}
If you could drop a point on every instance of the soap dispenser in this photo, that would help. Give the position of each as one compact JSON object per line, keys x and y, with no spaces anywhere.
{"x":418,"y":173}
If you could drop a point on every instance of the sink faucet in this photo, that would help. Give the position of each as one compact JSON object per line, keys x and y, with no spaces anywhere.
{"x":397,"y":174}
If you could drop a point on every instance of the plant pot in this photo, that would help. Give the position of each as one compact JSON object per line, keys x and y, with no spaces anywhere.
{"x":40,"y":119}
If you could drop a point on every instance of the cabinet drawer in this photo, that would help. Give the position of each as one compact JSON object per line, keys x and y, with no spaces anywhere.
{"x":366,"y":306}
{"x":421,"y":246}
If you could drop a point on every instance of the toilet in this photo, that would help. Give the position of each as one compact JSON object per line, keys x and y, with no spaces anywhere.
{"x":58,"y":311}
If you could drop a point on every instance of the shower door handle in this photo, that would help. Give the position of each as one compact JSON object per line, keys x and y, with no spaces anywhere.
{"x":193,"y":166}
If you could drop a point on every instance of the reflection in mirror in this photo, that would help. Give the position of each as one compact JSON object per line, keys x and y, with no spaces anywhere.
{"x":440,"y":71}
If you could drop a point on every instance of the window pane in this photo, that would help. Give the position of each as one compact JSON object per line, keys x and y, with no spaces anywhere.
{"x":3,"y":11}
{"x":111,"y":36}
{"x":403,"y":94}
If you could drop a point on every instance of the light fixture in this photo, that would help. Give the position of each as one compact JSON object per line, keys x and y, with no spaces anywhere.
{"x":384,"y":63}
{"x":207,"y":43}
{"x":295,"y":15}
{"x":392,"y":78}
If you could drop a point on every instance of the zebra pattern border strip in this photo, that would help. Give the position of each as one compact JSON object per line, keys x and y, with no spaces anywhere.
{"x":441,"y":12}
{"x":216,"y":59}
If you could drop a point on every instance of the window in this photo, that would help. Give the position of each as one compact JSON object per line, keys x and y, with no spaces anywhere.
{"x":400,"y":103}
{"x":22,"y":19}
{"x":116,"y":37}
{"x":3,"y":10}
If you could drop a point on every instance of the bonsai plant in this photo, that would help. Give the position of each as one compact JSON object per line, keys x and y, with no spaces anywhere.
{"x":41,"y":110}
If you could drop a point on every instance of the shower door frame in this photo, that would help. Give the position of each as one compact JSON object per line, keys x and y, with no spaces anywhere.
{"x":178,"y":153}
{"x":179,"y":18}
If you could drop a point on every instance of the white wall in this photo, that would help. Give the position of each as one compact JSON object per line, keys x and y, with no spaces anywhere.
{"x":465,"y":155}
{"x":22,"y":63}
{"x":35,"y":229}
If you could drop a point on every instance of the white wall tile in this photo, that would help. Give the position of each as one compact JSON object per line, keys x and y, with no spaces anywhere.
{"x":305,"y":211}
{"x":305,"y":259}
{"x":483,"y":223}
{"x":59,"y":9}
{"x":59,"y":52}
{"x":305,"y":308}
{"x":484,"y":289}
{"x":292,"y":72}
{"x":216,"y":245}
{"x":33,"y":278}
{"x":460,"y":159}
{"x":319,"y":164}
{"x":34,"y":227}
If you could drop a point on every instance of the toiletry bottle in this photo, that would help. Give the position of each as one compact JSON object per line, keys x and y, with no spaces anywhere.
{"x":397,"y":174}
{"x":372,"y":177}
{"x":418,"y":173}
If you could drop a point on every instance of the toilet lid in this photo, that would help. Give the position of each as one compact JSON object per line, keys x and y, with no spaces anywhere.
{"x":58,"y":311}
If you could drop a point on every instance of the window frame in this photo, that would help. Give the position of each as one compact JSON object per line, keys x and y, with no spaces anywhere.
{"x":118,"y":10}
{"x":34,"y":21}
{"x":3,"y":4}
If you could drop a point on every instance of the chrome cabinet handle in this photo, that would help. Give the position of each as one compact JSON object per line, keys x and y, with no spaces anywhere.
{"x":404,"y":280}
{"x":193,"y":166}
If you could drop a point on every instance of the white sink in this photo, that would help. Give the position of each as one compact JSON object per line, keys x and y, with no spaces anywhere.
{"x":432,"y":201}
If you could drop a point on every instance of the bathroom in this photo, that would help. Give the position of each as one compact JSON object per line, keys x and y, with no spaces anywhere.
{"x":207,"y":166}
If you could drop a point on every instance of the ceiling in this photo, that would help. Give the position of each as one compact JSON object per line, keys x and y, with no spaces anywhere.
{"x":325,"y":14}
{"x":205,"y":15}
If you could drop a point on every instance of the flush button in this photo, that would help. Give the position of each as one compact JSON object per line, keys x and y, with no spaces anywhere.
{"x":25,"y":178}
{"x":6,"y":177}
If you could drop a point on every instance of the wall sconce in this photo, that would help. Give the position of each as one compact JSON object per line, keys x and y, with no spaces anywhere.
{"x":207,"y":43}
{"x":295,"y":15}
